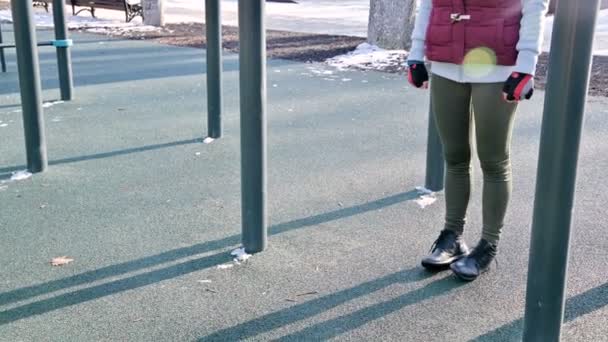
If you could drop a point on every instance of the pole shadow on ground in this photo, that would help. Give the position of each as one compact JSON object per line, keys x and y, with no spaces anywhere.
{"x":9,"y":169}
{"x":113,"y":287}
{"x":577,"y":306}
{"x":334,"y":327}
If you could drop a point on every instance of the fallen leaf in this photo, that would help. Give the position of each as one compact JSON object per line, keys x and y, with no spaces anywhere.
{"x":60,"y":261}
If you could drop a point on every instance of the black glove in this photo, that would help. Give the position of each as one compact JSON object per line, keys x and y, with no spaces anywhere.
{"x":517,"y":85}
{"x":417,"y":74}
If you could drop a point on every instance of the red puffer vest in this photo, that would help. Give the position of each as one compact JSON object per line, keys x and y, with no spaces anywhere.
{"x":459,"y":26}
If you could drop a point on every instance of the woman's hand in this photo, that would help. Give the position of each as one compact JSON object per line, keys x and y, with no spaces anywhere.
{"x":518,"y":85}
{"x":417,"y":74}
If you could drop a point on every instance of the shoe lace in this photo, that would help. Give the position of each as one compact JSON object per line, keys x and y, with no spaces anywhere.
{"x":482,"y":252}
{"x":441,"y":240}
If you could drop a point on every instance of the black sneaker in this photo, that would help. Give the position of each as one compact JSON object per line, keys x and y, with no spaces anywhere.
{"x":476,"y":263}
{"x":448,"y":248}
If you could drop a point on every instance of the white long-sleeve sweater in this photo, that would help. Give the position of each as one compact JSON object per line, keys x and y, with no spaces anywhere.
{"x":528,"y":46}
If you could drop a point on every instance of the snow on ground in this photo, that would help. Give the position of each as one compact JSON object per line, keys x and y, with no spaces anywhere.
{"x":84,"y":22}
{"x":340,"y":17}
{"x":425,"y":198}
{"x":343,"y":17}
{"x":368,"y":56}
{"x":600,"y":43}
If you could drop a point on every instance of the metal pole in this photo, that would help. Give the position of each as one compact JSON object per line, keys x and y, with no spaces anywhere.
{"x":252,"y":59}
{"x":435,"y":165}
{"x":2,"y":58}
{"x":64,"y":60}
{"x":567,"y":85}
{"x":214,"y":68}
{"x":29,"y":83}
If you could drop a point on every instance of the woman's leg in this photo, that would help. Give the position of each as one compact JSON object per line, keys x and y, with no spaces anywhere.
{"x":451,"y":103}
{"x":494,"y":125}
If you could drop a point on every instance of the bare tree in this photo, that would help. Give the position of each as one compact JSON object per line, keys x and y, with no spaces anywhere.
{"x":391,"y":23}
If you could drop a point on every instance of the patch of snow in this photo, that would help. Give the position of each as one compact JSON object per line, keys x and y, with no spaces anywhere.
{"x":426,"y":198}
{"x":368,"y":57}
{"x":600,"y":41}
{"x":82,"y":22}
{"x":4,"y":125}
{"x":21,"y":175}
{"x":50,"y":104}
{"x":225,"y":266}
{"x":208,"y":140}
{"x":424,"y":191}
{"x":240,"y":255}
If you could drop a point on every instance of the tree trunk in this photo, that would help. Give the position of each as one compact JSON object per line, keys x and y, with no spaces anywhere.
{"x":154,"y":12}
{"x":391,"y":23}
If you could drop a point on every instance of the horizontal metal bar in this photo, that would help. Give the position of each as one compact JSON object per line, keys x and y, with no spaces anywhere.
{"x":12,"y":46}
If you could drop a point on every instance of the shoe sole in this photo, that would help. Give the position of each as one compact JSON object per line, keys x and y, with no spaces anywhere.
{"x":467,"y":278}
{"x":440,"y":267}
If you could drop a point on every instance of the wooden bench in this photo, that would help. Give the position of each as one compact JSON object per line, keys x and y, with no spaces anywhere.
{"x":132,"y":8}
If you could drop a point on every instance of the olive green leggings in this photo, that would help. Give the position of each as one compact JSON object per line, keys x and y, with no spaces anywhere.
{"x":454,"y":105}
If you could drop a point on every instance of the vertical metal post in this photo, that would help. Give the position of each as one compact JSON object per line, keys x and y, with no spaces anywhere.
{"x":214,"y":68}
{"x":252,"y":59}
{"x":435,"y":165}
{"x":64,"y":60}
{"x":567,"y":85}
{"x":29,"y":83}
{"x":2,"y":57}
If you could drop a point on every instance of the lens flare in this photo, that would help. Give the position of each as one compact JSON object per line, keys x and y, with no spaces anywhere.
{"x":479,"y":62}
